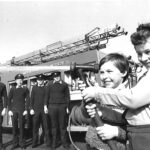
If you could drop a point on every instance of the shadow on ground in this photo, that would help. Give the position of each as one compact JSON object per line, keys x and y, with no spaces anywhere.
{"x":78,"y":142}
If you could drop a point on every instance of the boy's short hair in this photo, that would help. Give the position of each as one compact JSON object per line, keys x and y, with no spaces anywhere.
{"x":119,"y":60}
{"x":141,"y":35}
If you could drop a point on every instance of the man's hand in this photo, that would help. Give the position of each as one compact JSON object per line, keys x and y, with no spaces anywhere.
{"x":10,"y":113}
{"x":67,"y":110}
{"x":45,"y":109}
{"x":32,"y":112}
{"x":81,"y":85}
{"x":107,"y":132}
{"x":3,"y":112}
{"x":88,"y":93}
{"x":25,"y":113}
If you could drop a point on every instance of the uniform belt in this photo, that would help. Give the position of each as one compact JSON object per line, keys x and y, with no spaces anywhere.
{"x":139,"y":128}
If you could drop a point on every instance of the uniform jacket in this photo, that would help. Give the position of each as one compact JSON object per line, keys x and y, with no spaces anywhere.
{"x":18,"y":99}
{"x":37,"y":98}
{"x":57,"y":93}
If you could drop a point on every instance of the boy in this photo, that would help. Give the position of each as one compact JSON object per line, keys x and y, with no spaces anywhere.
{"x":114,"y":71}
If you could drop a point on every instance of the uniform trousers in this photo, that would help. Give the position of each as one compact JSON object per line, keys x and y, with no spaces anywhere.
{"x":139,"y":137}
{"x":18,"y":119}
{"x":58,"y":116}
{"x":40,"y":118}
{"x":1,"y":121}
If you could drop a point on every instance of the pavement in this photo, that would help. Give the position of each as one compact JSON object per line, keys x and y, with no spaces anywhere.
{"x":77,"y":139}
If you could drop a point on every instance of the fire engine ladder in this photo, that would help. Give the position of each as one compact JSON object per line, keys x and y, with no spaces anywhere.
{"x":93,"y":40}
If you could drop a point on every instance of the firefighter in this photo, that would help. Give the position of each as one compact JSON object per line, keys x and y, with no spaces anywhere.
{"x":3,"y":105}
{"x":57,"y":100}
{"x":37,"y":110}
{"x":18,"y":100}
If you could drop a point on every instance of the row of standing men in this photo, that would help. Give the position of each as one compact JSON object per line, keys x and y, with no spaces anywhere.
{"x":52,"y":100}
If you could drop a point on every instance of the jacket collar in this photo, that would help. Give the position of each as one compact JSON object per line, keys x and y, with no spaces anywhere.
{"x":40,"y":85}
{"x":60,"y":81}
{"x":19,"y":86}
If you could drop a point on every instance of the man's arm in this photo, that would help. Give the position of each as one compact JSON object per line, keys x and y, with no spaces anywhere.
{"x":10,"y":97}
{"x":111,"y":116}
{"x":4,"y":94}
{"x":122,"y":135}
{"x":27,"y":102}
{"x":67,"y":94}
{"x":130,"y":98}
{"x":47,"y":95}
{"x":32,"y":98}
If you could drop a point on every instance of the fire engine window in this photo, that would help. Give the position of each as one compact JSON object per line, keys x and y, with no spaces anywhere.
{"x":25,"y":83}
{"x":33,"y":82}
{"x":71,"y":81}
{"x":11,"y":85}
{"x":67,"y":79}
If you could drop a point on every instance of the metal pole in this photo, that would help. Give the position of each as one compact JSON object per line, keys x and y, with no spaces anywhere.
{"x":28,"y":69}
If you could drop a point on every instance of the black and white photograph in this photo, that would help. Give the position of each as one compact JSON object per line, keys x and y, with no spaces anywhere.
{"x":74,"y":74}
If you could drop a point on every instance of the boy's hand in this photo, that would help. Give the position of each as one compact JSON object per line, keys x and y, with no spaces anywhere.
{"x":32,"y":112}
{"x":88,"y":93}
{"x":3,"y":112}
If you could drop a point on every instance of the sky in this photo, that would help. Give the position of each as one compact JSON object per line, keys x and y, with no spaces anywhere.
{"x":26,"y":26}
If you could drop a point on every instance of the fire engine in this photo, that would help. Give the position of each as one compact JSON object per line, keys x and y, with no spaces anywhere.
{"x":86,"y":51}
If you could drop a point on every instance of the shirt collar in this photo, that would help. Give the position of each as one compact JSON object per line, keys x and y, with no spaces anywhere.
{"x":123,"y":85}
{"x":19,"y":86}
{"x":40,"y":85}
{"x":60,"y":81}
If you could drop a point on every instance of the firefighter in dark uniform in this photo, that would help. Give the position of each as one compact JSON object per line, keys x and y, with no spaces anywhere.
{"x":37,"y":110}
{"x":18,"y":101}
{"x":3,"y":105}
{"x":56,"y":104}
